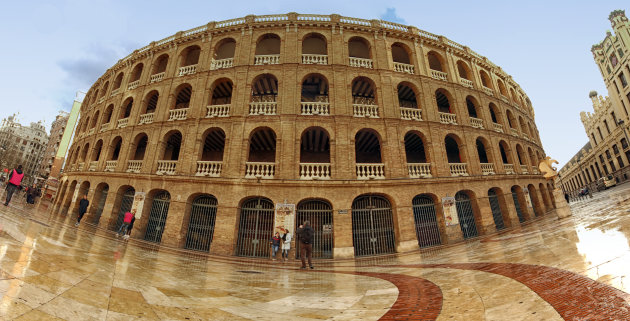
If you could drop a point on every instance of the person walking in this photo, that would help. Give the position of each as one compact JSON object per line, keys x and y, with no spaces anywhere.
{"x":14,"y":183}
{"x":126,"y":221}
{"x":128,"y":235}
{"x":306,"y":236}
{"x":83,"y":206}
{"x":286,"y":245}
{"x":275,"y":245}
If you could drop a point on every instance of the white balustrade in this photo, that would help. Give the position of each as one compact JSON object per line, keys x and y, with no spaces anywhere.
{"x":92,"y":167}
{"x":497,"y":127}
{"x":187,"y":70}
{"x":105,"y":127}
{"x":448,"y":118}
{"x":419,"y":170}
{"x":91,"y":131}
{"x":218,"y":111}
{"x":361,"y":110}
{"x":133,"y":85}
{"x":122,"y":123}
{"x":146,"y":118}
{"x":488,"y":91}
{"x":411,"y":113}
{"x":487,"y":169}
{"x":115,"y":92}
{"x":505,"y":99}
{"x":458,"y":169}
{"x":476,"y":122}
{"x":439,"y":75}
{"x":177,"y":114}
{"x":514,"y":132}
{"x":535,"y":171}
{"x":367,"y":171}
{"x":361,"y":62}
{"x":110,"y":166}
{"x":309,"y":59}
{"x":315,"y":108}
{"x":259,"y":170}
{"x":134,"y":166}
{"x":166,"y":167}
{"x":401,"y":67}
{"x":73,"y":167}
{"x":221,"y":63}
{"x":263,"y":108}
{"x":466,"y":82}
{"x":509,"y":168}
{"x":81,"y":166}
{"x":157,"y":77}
{"x":209,"y":168}
{"x":266,"y":59}
{"x":314,"y":170}
{"x":525,"y":136}
{"x":524,"y":169}
{"x":100,"y":100}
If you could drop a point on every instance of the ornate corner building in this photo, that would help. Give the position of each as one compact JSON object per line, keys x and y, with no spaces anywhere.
{"x":364,"y":125}
{"x":22,"y":145}
{"x":607,"y":152}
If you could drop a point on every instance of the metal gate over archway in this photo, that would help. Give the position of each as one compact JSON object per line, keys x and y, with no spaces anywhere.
{"x":493,"y":198}
{"x":157,"y":217}
{"x":319,"y":214}
{"x":125,"y":206}
{"x":203,"y":214}
{"x":425,"y":219}
{"x":372,"y":226}
{"x":255,"y":228}
{"x":100,"y":205}
{"x":517,"y":205}
{"x":466,"y":215}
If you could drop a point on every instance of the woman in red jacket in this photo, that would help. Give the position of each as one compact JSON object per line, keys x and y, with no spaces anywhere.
{"x":15,"y":179}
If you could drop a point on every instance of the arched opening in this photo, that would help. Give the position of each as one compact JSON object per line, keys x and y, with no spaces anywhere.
{"x":264,"y":95}
{"x":363,"y":93}
{"x":139,"y":147}
{"x":118,"y":82}
{"x":315,"y":153}
{"x":84,"y":190}
{"x":268,"y":44}
{"x":95,"y":119}
{"x":414,"y":148}
{"x":367,"y":147}
{"x":190,"y":56}
{"x":426,"y":222}
{"x":136,"y":73}
{"x":114,"y":148}
{"x":222,"y":92}
{"x":513,"y":95}
{"x":100,"y":197}
{"x":359,"y":47}
{"x":532,"y":157}
{"x":481,"y":151}
{"x":452,"y":149}
{"x":225,"y":49}
{"x":407,"y":96}
{"x":496,"y":207}
{"x":314,"y":89}
{"x":443,"y":102}
{"x":314,"y":49}
{"x":320,"y":215}
{"x":107,"y":115}
{"x":125,"y":111}
{"x":472,"y":105}
{"x":103,"y":90}
{"x":159,"y":66}
{"x":182,"y":98}
{"x":151,"y":102}
{"x":511,"y":119}
{"x":494,"y":113}
{"x":68,"y":199}
{"x":545,"y":197}
{"x":463,"y":70}
{"x":505,"y":153}
{"x":502,"y":89}
{"x":203,"y":213}
{"x":520,"y":154}
{"x":96,"y":152}
{"x":401,"y":55}
{"x":262,"y":146}
{"x":213,"y":145}
{"x":435,"y":61}
{"x":84,"y":153}
{"x":157,"y":217}
{"x":485,"y":79}
{"x":172,"y":146}
{"x":372,"y":226}
{"x":466,"y":214}
{"x":519,"y":201}
{"x":122,"y":205}
{"x":534,"y":201}
{"x":255,"y":227}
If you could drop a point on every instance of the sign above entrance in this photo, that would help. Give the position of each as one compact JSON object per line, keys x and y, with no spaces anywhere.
{"x":284,"y":219}
{"x":450,"y":211}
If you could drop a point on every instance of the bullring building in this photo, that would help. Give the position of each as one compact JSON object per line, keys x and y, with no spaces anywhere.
{"x":367,"y":126}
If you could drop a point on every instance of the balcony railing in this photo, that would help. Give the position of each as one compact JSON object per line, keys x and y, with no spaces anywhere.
{"x":93,"y":165}
{"x":157,"y":77}
{"x":187,"y":70}
{"x":105,"y":127}
{"x":371,"y":171}
{"x":509,"y":169}
{"x":448,"y":118}
{"x":400,"y":67}
{"x":314,"y":170}
{"x":514,"y":132}
{"x":177,"y":114}
{"x":146,"y":118}
{"x":133,"y":85}
{"x":260,"y":170}
{"x":476,"y":122}
{"x":488,"y":91}
{"x":91,"y":131}
{"x":361,"y":110}
{"x":263,"y":108}
{"x":419,"y":170}
{"x":222,"y":63}
{"x":166,"y":167}
{"x":218,"y":111}
{"x":497,"y":127}
{"x":310,"y":59}
{"x":466,"y":83}
{"x":122,"y":123}
{"x":81,"y":166}
{"x":524,"y":169}
{"x":535,"y":170}
{"x":110,"y":166}
{"x":439,"y":75}
{"x":73,"y":167}
{"x":315,"y":108}
{"x":134,"y":166}
{"x":209,"y":168}
{"x":115,"y":92}
{"x":458,"y":169}
{"x":411,"y":113}
{"x":487,"y":169}
{"x":266,"y":59}
{"x":525,"y":136}
{"x":505,"y":99}
{"x":100,"y":100}
{"x":360,"y":62}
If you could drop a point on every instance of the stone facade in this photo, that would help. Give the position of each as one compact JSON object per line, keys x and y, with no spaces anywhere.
{"x":22,"y":145}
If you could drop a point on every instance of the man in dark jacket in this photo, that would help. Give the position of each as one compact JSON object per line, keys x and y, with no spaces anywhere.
{"x":15,"y":180}
{"x":83,"y":205}
{"x":306,"y":236}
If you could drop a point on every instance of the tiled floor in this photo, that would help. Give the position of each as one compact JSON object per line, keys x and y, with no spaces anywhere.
{"x":573,"y":269}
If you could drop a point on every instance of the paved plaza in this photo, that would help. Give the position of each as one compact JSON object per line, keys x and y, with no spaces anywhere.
{"x":572,"y":269}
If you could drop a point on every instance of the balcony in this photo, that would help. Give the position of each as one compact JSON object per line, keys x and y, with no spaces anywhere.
{"x":100,"y":100}
{"x":411,"y":113}
{"x":266,"y":59}
{"x":419,"y":170}
{"x":535,"y":171}
{"x":105,"y":127}
{"x":497,"y":127}
{"x":115,"y":92}
{"x":315,"y":108}
{"x":476,"y":122}
{"x":157,"y":77}
{"x":209,"y":168}
{"x":133,"y":85}
{"x":166,"y":167}
{"x":177,"y":114}
{"x":260,"y":170}
{"x":91,"y":131}
{"x":407,"y":68}
{"x":448,"y":118}
{"x":438,"y":75}
{"x":218,"y":111}
{"x":122,"y":123}
{"x":110,"y":166}
{"x":524,"y":169}
{"x":514,"y":132}
{"x":134,"y":166}
{"x":93,"y":166}
{"x":361,"y":110}
{"x":309,"y":59}
{"x":370,"y":171}
{"x":525,"y":136}
{"x":222,"y":63}
{"x":360,"y":62}
{"x":146,"y":118}
{"x":314,"y":171}
{"x":263,"y":108}
{"x":505,"y":99}
{"x":458,"y":169}
{"x":80,"y":166}
{"x":187,"y":70}
{"x":488,"y":91}
{"x":509,"y":169}
{"x":73,"y":167}
{"x":487,"y":169}
{"x":466,"y":83}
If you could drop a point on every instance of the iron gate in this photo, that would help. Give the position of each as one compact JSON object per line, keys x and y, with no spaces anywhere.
{"x":517,"y":204}
{"x":372,"y":226}
{"x":101,"y":204}
{"x":465,"y":215}
{"x":125,"y":206}
{"x":493,"y":198}
{"x":157,"y":217}
{"x":203,"y":213}
{"x":531,"y":200}
{"x":319,"y":213}
{"x":255,"y":228}
{"x":425,"y":218}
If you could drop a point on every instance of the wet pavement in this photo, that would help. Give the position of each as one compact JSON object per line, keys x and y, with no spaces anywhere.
{"x":547,"y":269}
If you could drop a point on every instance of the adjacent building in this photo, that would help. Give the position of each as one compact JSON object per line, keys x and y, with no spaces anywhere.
{"x":22,"y":145}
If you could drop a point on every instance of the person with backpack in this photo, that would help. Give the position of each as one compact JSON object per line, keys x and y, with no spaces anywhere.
{"x":306,"y":236}
{"x":14,"y":183}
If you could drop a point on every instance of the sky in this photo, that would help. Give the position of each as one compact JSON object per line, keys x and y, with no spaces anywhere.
{"x":52,"y":49}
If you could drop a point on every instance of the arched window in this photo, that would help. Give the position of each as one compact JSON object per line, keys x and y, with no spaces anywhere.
{"x":107,"y":116}
{"x":485,"y":79}
{"x":139,"y":147}
{"x":267,"y":49}
{"x":407,"y":96}
{"x":95,"y":119}
{"x":463,"y":70}
{"x":159,"y":68}
{"x":104,"y":90}
{"x":182,"y":99}
{"x":223,"y":54}
{"x":189,"y":59}
{"x":442,"y":101}
{"x":315,"y":154}
{"x":520,"y":154}
{"x":414,"y":148}
{"x":367,"y":147}
{"x":96,"y":153}
{"x":505,"y":152}
{"x":125,"y":111}
{"x":152,"y":101}
{"x":314,"y":49}
{"x":314,"y":99}
{"x":262,"y":154}
{"x":118,"y":82}
{"x":502,"y":89}
{"x":511,"y":119}
{"x":494,"y":113}
{"x":222,"y":92}
{"x":213,"y":145}
{"x":435,"y":61}
{"x":114,"y":148}
{"x":264,"y":95}
{"x":452,"y":150}
{"x":363,"y":91}
{"x":135,"y":75}
{"x":358,"y":47}
{"x":172,"y":146}
{"x":471,"y":104}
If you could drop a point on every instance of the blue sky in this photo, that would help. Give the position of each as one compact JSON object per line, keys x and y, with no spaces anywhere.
{"x":51,"y":49}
